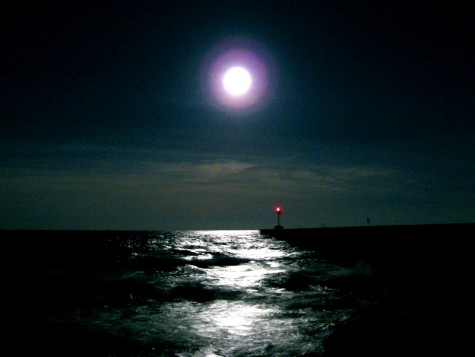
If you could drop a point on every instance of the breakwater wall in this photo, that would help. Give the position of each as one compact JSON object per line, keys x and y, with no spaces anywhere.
{"x":424,"y":273}
{"x":393,"y":250}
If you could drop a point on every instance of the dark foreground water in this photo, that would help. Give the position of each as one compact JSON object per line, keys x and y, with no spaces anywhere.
{"x":206,"y":293}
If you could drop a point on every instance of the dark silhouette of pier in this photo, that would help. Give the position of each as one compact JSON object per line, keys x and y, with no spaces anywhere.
{"x":425,"y":272}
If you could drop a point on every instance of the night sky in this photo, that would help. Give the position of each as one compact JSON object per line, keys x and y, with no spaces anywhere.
{"x":110,"y":117}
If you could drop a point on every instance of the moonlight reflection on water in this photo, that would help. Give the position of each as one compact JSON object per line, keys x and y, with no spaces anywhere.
{"x":183,"y":293}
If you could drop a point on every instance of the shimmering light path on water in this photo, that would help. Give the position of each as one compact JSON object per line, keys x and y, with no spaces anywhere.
{"x":234,"y":293}
{"x":190,"y":293}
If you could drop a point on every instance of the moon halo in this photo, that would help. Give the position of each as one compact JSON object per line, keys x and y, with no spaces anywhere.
{"x":239,"y":76}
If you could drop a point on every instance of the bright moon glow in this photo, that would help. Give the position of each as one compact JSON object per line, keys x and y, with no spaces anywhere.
{"x":237,"y":81}
{"x":238,"y":76}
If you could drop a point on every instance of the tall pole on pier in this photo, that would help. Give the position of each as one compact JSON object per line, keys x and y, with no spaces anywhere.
{"x":278,"y":211}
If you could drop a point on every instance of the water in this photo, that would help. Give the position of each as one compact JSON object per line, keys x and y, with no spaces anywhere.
{"x":190,"y":293}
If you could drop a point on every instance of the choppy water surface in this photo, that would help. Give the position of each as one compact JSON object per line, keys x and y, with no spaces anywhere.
{"x":192,"y":293}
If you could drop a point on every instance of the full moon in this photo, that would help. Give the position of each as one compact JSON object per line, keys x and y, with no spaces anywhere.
{"x":237,"y":81}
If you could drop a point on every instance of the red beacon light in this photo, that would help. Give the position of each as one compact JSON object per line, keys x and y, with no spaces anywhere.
{"x":278,"y":211}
